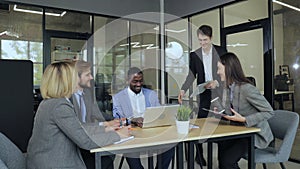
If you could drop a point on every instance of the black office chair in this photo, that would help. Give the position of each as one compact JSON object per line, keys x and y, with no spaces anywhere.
{"x":282,"y":83}
{"x":252,"y":80}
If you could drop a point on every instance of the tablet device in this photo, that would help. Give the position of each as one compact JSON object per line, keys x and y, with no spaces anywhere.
{"x":222,"y":112}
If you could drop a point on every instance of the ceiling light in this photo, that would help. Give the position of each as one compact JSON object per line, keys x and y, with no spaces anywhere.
{"x":39,"y":12}
{"x":296,"y":66}
{"x":132,"y":43}
{"x":237,"y":45}
{"x":8,"y":33}
{"x":287,"y":5}
{"x":171,"y":30}
{"x":137,"y":45}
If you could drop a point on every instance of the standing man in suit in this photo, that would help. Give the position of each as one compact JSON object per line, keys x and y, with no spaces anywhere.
{"x":203,"y":66}
{"x":131,"y":102}
{"x":88,"y":111}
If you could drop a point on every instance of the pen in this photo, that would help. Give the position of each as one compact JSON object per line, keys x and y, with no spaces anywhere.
{"x":119,"y":119}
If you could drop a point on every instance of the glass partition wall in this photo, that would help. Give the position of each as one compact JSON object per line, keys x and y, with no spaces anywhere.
{"x":21,"y":37}
{"x":114,"y":45}
{"x":286,"y":59}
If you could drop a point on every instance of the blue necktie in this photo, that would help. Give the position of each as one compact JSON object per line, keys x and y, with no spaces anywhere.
{"x":82,"y":107}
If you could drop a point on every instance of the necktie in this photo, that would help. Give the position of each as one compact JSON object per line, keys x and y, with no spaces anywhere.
{"x":82,"y":107}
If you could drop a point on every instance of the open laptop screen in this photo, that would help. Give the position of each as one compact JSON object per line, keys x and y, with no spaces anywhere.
{"x":160,"y":116}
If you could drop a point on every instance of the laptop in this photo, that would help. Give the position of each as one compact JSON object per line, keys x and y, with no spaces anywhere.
{"x":160,"y":116}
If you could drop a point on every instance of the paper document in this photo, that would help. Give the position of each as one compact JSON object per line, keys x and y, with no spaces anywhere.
{"x":199,"y":89}
{"x":124,"y":140}
{"x":192,"y":126}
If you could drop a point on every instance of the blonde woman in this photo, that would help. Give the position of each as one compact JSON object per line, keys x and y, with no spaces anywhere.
{"x":57,"y":132}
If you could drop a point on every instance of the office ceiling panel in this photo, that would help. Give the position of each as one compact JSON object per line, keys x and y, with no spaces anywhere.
{"x":146,"y":10}
{"x":183,"y":8}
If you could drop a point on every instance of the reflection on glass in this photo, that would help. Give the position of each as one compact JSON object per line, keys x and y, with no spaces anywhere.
{"x":67,"y":49}
{"x":69,"y":21}
{"x":287,"y":52}
{"x":248,"y":46}
{"x":176,"y":66}
{"x":245,"y":11}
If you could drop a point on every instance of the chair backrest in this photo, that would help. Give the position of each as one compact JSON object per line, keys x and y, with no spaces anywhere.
{"x":284,"y":125}
{"x":10,"y":154}
{"x":2,"y":165}
{"x":252,"y":80}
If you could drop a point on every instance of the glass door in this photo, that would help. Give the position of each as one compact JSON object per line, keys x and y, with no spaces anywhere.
{"x":248,"y":46}
{"x":251,"y":42}
{"x":68,"y":49}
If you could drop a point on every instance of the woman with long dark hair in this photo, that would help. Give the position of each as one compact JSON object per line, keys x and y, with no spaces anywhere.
{"x":244,"y":105}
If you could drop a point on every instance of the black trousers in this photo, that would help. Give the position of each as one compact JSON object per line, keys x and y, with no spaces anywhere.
{"x":135,"y":163}
{"x":205,"y":99}
{"x":107,"y":162}
{"x":230,"y":152}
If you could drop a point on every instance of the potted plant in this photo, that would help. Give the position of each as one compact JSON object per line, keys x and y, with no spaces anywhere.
{"x":183,"y":119}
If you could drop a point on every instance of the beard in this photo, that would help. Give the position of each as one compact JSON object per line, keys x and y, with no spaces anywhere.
{"x":137,"y":90}
{"x":85,"y":85}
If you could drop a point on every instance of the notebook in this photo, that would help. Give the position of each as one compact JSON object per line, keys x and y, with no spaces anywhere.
{"x":160,"y":116}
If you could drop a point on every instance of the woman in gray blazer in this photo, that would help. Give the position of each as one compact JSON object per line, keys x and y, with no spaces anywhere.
{"x":57,"y":132}
{"x":244,"y":105}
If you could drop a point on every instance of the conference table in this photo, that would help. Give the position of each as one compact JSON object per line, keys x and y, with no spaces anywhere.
{"x":156,"y":140}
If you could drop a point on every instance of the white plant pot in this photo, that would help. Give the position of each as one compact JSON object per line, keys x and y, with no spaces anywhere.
{"x":182,"y":127}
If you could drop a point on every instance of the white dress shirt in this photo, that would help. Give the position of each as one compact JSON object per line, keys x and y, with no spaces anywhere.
{"x":207,"y":62}
{"x":138,"y":103}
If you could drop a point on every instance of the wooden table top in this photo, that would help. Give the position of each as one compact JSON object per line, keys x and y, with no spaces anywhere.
{"x":208,"y":128}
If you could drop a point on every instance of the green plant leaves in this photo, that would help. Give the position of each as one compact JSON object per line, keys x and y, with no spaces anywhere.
{"x":183,"y":113}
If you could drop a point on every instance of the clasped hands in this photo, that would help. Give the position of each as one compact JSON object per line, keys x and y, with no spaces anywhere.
{"x":115,"y":125}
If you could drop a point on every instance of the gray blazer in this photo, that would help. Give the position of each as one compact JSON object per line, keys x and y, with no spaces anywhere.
{"x":93,"y":113}
{"x":250,"y":103}
{"x":57,"y":135}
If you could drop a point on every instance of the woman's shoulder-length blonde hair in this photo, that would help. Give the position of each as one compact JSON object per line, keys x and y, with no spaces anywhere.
{"x":59,"y":80}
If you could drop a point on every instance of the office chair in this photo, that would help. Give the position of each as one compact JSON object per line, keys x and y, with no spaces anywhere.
{"x":284,"y":125}
{"x":252,"y":80}
{"x":10,"y":155}
{"x":2,"y":165}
